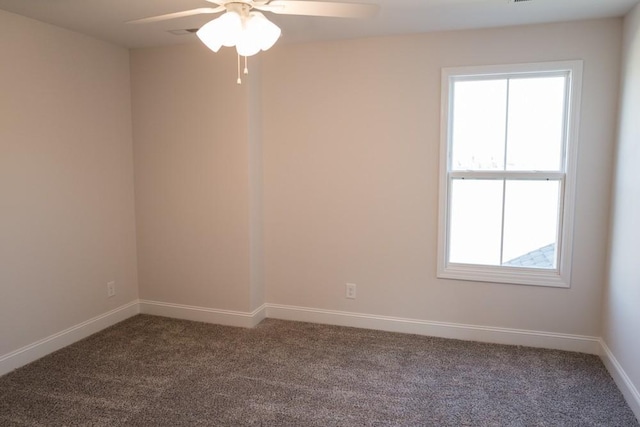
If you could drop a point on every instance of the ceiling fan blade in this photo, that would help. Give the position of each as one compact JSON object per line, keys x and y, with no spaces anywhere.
{"x":321,"y":8}
{"x":199,"y":11}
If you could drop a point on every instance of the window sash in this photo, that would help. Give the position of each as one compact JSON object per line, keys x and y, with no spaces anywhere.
{"x":504,"y":176}
{"x":566,"y":74}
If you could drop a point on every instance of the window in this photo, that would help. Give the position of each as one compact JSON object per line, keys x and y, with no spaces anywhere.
{"x":507,"y":172}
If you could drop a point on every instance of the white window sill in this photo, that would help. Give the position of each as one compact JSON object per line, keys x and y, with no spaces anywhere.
{"x":510,"y":275}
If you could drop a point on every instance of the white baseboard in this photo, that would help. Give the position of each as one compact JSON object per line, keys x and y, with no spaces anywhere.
{"x":578,"y":343}
{"x":41,"y":348}
{"x":203,"y":314}
{"x":622,"y":380}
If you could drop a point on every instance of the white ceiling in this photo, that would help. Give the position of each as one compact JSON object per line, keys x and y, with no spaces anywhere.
{"x":105,"y":19}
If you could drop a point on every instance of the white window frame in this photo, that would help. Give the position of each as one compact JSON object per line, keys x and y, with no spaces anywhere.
{"x":561,"y":275}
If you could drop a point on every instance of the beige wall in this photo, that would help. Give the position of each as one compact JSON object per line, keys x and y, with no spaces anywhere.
{"x":622,"y":295}
{"x":351,"y":143}
{"x":66,"y":180}
{"x":193,"y":185}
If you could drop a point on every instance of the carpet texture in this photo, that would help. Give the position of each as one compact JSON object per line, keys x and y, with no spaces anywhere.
{"x":154,"y":371}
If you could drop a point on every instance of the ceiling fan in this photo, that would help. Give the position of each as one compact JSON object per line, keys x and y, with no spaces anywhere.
{"x":243,"y":25}
{"x":283,"y":7}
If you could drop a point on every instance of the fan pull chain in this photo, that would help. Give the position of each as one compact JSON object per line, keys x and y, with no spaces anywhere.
{"x":246,"y":69}
{"x":239,"y":79}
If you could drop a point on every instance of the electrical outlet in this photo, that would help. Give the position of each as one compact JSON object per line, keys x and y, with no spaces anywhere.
{"x":351,"y":290}
{"x":111,"y":289}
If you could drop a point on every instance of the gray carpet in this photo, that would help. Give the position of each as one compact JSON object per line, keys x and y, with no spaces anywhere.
{"x":153,"y":371}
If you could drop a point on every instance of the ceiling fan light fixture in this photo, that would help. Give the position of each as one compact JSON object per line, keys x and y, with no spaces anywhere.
{"x":212,"y":35}
{"x":230,"y":29}
{"x":248,"y":32}
{"x":209,"y":35}
{"x":258,"y":34}
{"x":268,"y":33}
{"x":247,"y":47}
{"x":222,"y":31}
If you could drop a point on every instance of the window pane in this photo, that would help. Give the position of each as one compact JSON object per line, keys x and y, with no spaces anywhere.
{"x":531,"y":224}
{"x":476,"y":219}
{"x":479,"y":116}
{"x":535,"y":129}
